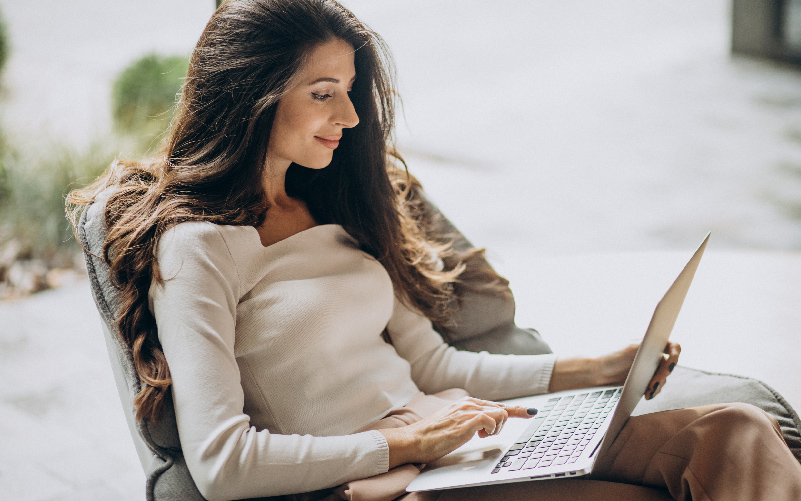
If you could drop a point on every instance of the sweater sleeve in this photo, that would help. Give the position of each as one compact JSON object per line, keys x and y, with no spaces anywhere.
{"x":436,"y":366}
{"x":195,"y":311}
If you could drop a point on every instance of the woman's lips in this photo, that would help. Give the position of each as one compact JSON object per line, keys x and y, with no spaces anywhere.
{"x":329,"y":141}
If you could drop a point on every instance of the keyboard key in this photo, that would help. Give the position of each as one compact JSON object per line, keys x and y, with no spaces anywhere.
{"x":559,"y":461}
{"x":518,"y":464}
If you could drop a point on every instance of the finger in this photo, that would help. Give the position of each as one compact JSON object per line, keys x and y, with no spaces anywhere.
{"x":666,"y":366}
{"x":483,"y":403}
{"x":506,"y":411}
{"x":518,"y":411}
{"x":674,"y":351}
{"x":503,"y":421}
{"x":482,"y":424}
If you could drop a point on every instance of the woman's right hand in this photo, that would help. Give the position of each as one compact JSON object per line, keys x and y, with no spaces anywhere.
{"x":447,"y":429}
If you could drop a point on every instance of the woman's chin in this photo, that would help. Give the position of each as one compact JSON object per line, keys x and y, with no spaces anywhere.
{"x":317,"y":164}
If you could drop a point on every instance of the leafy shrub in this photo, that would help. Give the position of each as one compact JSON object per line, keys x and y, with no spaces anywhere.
{"x":144,"y":94}
{"x":34,"y":183}
{"x":32,"y":208}
{"x":4,"y":49}
{"x":3,"y":144}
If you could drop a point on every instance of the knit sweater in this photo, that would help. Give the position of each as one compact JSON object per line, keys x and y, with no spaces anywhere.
{"x":276,"y":358}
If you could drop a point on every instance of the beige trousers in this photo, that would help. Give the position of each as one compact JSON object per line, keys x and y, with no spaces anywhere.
{"x":724,"y":452}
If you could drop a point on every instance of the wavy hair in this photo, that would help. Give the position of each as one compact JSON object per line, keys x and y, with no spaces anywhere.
{"x":211,"y":165}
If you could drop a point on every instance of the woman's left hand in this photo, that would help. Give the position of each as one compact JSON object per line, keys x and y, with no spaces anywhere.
{"x":666,"y":366}
{"x":611,"y":369}
{"x":615,"y":367}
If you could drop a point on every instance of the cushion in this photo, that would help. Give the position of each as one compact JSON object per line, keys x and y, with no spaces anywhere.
{"x":484,"y":318}
{"x":691,"y":387}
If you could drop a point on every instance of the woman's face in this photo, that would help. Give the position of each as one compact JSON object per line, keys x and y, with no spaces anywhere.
{"x":310,"y":118}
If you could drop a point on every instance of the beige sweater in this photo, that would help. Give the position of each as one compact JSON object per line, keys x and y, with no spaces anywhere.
{"x":277,"y":358}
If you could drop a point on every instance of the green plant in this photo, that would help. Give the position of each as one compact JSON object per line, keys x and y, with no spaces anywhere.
{"x":32,"y":209}
{"x":144,"y":94}
{"x":4,"y":157}
{"x":4,"y":49}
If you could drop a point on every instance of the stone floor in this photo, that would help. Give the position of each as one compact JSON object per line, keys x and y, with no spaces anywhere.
{"x":63,"y":432}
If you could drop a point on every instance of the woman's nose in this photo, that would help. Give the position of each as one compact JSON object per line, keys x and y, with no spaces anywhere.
{"x":346,"y":114}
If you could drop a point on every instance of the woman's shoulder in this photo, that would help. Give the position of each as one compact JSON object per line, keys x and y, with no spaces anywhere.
{"x":202,"y":249}
{"x":205,"y":231}
{"x":206,"y":238}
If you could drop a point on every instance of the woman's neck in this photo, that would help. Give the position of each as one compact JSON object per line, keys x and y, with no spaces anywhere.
{"x":274,"y":183}
{"x":286,"y":215}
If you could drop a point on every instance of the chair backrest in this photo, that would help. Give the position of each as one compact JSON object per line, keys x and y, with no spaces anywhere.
{"x":157,"y":444}
{"x":485,"y":321}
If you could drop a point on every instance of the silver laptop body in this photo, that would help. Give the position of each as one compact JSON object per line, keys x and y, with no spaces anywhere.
{"x":574,"y":429}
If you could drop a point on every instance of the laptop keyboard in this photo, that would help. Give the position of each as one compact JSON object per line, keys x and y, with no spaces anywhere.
{"x":560,"y":431}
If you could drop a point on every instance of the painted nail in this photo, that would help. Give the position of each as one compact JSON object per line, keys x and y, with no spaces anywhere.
{"x":651,"y":395}
{"x":656,"y":385}
{"x":671,"y":366}
{"x":531,"y":411}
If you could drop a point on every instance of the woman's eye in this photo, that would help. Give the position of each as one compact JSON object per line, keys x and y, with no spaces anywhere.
{"x":321,"y":97}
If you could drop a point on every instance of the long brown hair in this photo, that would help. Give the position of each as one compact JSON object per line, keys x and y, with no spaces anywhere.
{"x":212,"y":162}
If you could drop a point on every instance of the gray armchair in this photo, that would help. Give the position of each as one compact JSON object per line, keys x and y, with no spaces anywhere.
{"x":485,"y":322}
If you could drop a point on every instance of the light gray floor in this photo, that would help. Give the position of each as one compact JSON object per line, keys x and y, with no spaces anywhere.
{"x":63,"y":434}
{"x":541,"y":128}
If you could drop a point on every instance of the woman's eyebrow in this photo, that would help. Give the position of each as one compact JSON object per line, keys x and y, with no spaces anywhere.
{"x":330,"y":79}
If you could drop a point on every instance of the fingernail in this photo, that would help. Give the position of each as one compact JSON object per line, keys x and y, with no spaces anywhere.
{"x":531,"y":411}
{"x":651,"y":395}
{"x":656,"y":385}
{"x":672,"y":366}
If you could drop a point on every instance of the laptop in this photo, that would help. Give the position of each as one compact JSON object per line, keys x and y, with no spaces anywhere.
{"x":573,"y":429}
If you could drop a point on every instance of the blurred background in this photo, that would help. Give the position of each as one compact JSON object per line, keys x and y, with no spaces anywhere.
{"x":540,"y":128}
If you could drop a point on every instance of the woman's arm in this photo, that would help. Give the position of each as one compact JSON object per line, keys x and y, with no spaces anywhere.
{"x":435,"y":366}
{"x":228,"y":458}
{"x":611,"y":369}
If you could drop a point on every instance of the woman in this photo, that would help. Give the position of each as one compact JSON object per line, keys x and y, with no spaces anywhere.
{"x":280,"y":282}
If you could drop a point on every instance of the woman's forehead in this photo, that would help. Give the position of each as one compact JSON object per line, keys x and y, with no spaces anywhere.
{"x":332,"y":60}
